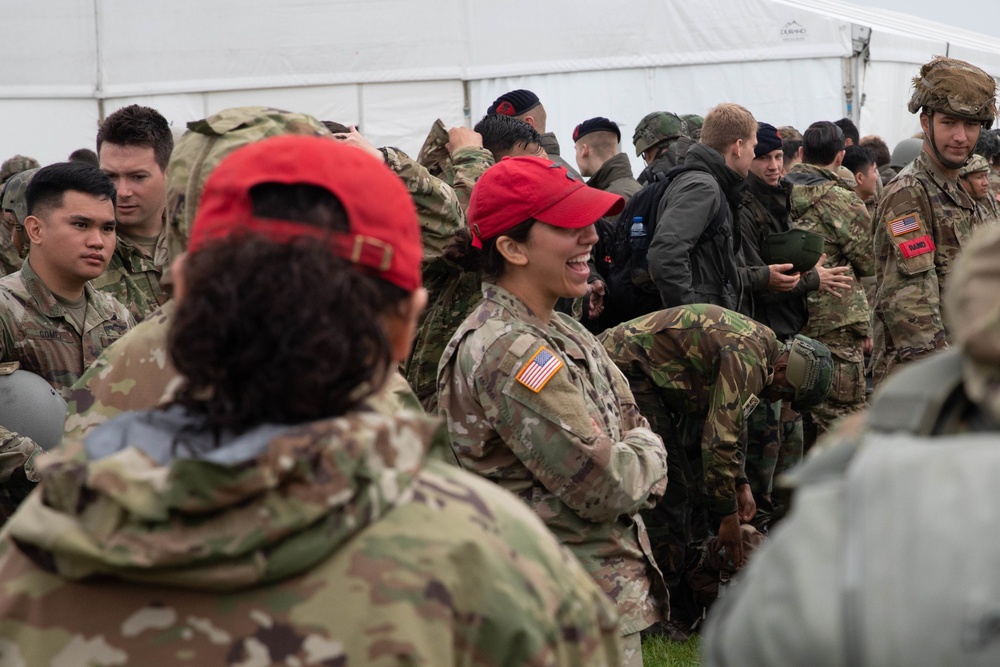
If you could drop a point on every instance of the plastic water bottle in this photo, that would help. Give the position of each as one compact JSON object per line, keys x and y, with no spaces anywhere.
{"x":637,"y":238}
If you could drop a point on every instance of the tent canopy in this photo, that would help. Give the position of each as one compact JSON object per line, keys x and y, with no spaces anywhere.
{"x":393,"y":66}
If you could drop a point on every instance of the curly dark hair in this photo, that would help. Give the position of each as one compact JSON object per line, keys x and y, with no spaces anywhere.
{"x":278,"y":333}
{"x":488,"y":259}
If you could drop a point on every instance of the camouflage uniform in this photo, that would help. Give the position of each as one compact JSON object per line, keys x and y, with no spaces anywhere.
{"x":994,"y":177}
{"x":330,"y":543}
{"x":133,"y":277}
{"x":18,"y":471}
{"x":576,"y":450}
{"x":441,"y":191}
{"x":940,"y":217}
{"x":35,"y":330}
{"x":15,"y":165}
{"x":989,"y":209}
{"x":824,"y":204}
{"x":695,"y":371}
{"x":670,"y":133}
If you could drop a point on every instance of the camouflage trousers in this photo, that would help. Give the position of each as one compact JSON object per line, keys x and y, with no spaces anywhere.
{"x":774,"y":445}
{"x":848,"y":391}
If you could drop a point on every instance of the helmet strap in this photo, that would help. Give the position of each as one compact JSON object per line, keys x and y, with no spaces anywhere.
{"x":945,"y":162}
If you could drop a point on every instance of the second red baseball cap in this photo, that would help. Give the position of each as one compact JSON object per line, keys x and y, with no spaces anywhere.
{"x":517,"y":189}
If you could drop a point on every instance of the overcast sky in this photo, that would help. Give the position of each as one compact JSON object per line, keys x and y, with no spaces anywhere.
{"x":977,"y":15}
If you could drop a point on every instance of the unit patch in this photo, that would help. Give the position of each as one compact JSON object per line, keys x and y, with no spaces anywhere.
{"x":918,"y":246}
{"x":904,"y":225}
{"x":537,"y":372}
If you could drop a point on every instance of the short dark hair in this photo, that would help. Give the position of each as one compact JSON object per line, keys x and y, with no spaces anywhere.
{"x":821,"y":143}
{"x":849,"y":129}
{"x":857,"y":158}
{"x":137,"y":125}
{"x":280,"y":332}
{"x":335,"y":127}
{"x":488,"y":260}
{"x":501,"y":134}
{"x":789,"y":147}
{"x":46,"y":189}
{"x":84,"y":155}
{"x":881,"y":149}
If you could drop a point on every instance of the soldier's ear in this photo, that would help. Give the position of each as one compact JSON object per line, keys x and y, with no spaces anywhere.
{"x":33,"y":228}
{"x":512,"y":251}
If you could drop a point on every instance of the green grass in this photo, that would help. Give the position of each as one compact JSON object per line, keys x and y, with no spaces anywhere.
{"x":660,"y":652}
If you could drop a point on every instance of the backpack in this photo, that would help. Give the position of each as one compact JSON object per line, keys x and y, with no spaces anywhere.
{"x":625,"y":266}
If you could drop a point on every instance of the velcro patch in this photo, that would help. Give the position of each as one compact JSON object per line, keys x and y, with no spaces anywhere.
{"x":750,"y":405}
{"x":904,"y":225}
{"x":537,"y":372}
{"x":918,"y":246}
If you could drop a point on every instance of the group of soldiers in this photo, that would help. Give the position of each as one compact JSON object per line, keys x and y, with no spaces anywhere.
{"x":775,"y":283}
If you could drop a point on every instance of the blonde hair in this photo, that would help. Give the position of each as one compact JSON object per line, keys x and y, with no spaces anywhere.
{"x":726,"y":124}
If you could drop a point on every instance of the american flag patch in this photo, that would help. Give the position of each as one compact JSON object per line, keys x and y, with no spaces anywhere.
{"x":539,"y":370}
{"x":904,"y":225}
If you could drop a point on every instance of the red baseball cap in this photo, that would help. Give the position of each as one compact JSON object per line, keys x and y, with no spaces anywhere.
{"x":517,"y":189}
{"x":384,"y":237}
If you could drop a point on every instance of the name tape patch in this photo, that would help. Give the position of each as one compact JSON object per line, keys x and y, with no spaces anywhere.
{"x":904,"y":225}
{"x":918,"y":246}
{"x":751,"y":403}
{"x":537,"y":372}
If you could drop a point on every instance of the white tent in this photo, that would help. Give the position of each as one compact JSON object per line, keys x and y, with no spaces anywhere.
{"x":393,"y":66}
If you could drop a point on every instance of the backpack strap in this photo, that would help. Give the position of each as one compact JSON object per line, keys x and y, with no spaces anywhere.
{"x":913,"y":399}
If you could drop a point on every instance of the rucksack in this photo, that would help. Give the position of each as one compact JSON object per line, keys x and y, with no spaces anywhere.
{"x":625,"y":265}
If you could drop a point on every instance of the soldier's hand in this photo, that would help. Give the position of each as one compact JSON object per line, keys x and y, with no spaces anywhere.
{"x":354,"y":138}
{"x":460,"y":137}
{"x":780,"y":280}
{"x":746,"y":503}
{"x":597,"y":292}
{"x":731,"y":538}
{"x":868,"y":345}
{"x":833,"y":279}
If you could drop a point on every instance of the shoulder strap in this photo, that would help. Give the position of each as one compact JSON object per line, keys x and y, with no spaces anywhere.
{"x":913,"y":399}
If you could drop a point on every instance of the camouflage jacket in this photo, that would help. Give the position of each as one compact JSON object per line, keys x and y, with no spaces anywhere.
{"x":34,"y":329}
{"x":569,"y":441}
{"x":10,"y":260}
{"x":134,"y":278}
{"x":551,"y":146}
{"x":922,"y":221}
{"x":452,"y":292}
{"x":822,"y":203}
{"x":330,"y":543}
{"x":706,"y":362}
{"x":18,"y":471}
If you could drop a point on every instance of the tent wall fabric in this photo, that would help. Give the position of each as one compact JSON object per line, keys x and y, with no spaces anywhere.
{"x":393,"y":66}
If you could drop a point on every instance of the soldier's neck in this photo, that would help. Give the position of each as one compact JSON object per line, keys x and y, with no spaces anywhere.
{"x":60,"y":284}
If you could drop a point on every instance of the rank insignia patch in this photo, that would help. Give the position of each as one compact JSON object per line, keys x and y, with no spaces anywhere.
{"x":918,"y":246}
{"x":537,"y":372}
{"x":904,"y":225}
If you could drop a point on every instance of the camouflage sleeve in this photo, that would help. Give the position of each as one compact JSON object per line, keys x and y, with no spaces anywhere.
{"x":18,"y":474}
{"x":856,"y":239}
{"x":438,"y":207}
{"x":907,"y":298}
{"x":468,"y":164}
{"x":554,"y":434}
{"x":722,"y":447}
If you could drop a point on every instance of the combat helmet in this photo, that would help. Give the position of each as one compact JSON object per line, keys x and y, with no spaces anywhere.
{"x":695,"y":123}
{"x":956,"y":88}
{"x":657,"y":127}
{"x":14,"y":190}
{"x":206,"y":143}
{"x":809,"y":371}
{"x":975,"y":164}
{"x":29,"y":406}
{"x":797,"y":247}
{"x":905,"y":152}
{"x":15,"y":165}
